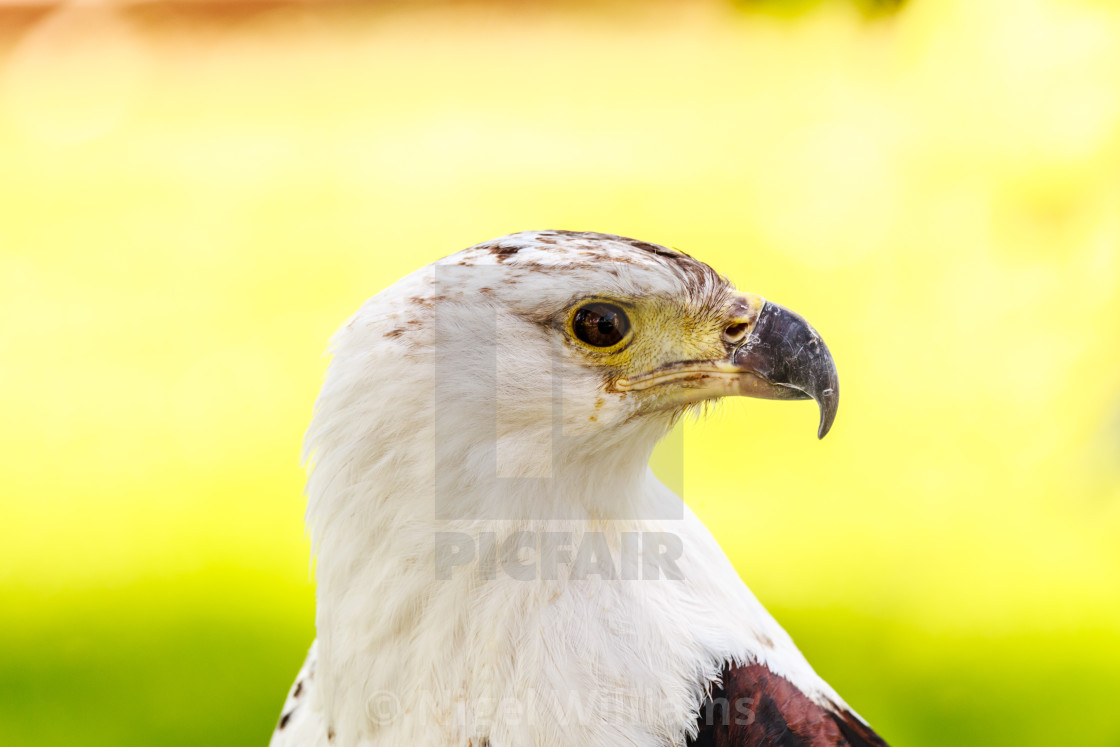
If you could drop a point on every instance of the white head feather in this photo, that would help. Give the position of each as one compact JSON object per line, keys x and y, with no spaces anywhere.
{"x":455,"y":406}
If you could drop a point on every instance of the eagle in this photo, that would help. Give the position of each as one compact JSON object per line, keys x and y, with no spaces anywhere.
{"x":496,"y":564}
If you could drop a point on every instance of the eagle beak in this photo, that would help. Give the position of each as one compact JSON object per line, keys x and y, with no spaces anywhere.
{"x":782,"y":357}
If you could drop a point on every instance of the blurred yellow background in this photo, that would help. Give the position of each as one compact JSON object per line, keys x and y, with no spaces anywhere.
{"x":193,"y":197}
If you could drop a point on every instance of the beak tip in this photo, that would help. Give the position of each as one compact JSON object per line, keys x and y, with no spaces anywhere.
{"x":828,"y":407}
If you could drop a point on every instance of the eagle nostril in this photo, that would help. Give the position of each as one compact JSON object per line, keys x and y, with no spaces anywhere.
{"x":735,"y":332}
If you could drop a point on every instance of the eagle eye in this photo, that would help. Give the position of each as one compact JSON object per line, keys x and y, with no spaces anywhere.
{"x":601,"y":325}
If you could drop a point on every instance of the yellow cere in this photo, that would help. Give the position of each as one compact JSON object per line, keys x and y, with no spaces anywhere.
{"x":194,"y":197}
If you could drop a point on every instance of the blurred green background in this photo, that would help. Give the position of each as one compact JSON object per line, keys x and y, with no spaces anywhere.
{"x":194,"y":196}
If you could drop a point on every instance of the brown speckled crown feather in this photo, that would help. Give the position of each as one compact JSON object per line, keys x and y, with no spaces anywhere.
{"x":578,"y":249}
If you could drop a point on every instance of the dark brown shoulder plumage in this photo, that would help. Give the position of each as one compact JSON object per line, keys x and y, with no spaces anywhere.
{"x":756,"y":708}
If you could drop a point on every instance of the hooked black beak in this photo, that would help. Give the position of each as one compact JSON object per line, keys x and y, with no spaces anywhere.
{"x":784,"y":358}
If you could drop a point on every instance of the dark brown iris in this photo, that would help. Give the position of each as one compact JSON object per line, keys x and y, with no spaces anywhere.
{"x":600,"y":325}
